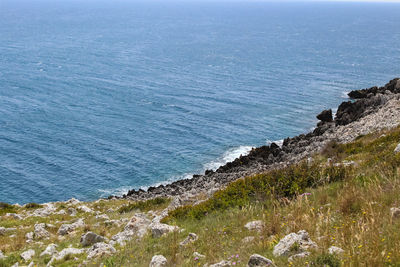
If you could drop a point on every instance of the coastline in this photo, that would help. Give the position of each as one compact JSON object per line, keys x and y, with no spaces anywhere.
{"x":368,"y":110}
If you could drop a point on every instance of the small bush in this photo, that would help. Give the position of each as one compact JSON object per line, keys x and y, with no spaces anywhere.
{"x":326,"y":260}
{"x":33,"y":206}
{"x":6,"y":208}
{"x":282,"y":183}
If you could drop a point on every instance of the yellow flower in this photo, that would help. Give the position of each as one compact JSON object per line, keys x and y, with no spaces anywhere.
{"x":360,"y":246}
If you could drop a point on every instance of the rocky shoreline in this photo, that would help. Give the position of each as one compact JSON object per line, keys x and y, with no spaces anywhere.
{"x":369,"y":110}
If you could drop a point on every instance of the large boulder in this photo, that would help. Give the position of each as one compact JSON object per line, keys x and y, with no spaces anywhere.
{"x":158,"y":261}
{"x":91,"y":238}
{"x":294,"y":243}
{"x":99,"y":250}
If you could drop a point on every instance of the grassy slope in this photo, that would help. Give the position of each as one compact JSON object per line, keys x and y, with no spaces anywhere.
{"x":344,"y":206}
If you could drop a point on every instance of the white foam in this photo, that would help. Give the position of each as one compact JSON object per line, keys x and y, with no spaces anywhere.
{"x":345,"y":95}
{"x":228,"y":156}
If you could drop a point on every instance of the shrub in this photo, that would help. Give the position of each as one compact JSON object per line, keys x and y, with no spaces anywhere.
{"x":326,"y":260}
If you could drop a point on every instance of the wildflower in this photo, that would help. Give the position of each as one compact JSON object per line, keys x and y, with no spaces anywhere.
{"x":237,"y":255}
{"x":360,"y":246}
{"x":196,"y":258}
{"x":234,"y":263}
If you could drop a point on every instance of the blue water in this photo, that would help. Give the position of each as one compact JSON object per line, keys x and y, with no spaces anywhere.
{"x":97,"y":97}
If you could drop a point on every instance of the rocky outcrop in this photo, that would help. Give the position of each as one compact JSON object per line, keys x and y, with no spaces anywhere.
{"x":159,"y":229}
{"x":397,"y":149}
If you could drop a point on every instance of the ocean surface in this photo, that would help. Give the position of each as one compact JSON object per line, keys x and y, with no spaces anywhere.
{"x":98,"y":97}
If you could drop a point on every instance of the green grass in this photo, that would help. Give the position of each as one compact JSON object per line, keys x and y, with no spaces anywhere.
{"x":147,"y":205}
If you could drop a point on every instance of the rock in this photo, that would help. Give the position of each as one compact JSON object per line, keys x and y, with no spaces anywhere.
{"x":221,"y":264}
{"x":15,"y":216}
{"x":2,"y":255}
{"x":61,"y":212}
{"x":298,"y":256}
{"x":71,"y":211}
{"x":85,"y":208}
{"x":40,"y":231}
{"x":301,"y":240}
{"x":15,"y":265}
{"x":248,"y":239}
{"x":397,"y":149}
{"x":50,"y":250}
{"x":189,"y":239}
{"x":395,"y":212}
{"x":27,"y":255}
{"x":198,"y":255}
{"x":73,"y":201}
{"x":91,"y":238}
{"x":32,"y":264}
{"x":335,"y":250}
{"x":29,"y":237}
{"x":175,"y":203}
{"x":159,"y":229}
{"x":258,"y":260}
{"x":46,"y":211}
{"x":325,"y":116}
{"x":102,"y":217}
{"x":4,"y":230}
{"x":137,"y":226}
{"x":68,"y":251}
{"x":99,"y":250}
{"x":254,"y":225}
{"x":158,"y":261}
{"x":68,"y":228}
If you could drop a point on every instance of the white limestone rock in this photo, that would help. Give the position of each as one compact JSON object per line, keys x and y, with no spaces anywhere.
{"x":28,"y":254}
{"x":158,"y":261}
{"x":285,"y":245}
{"x":100,"y":249}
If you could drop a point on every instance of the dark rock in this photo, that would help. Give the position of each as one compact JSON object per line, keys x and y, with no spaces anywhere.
{"x":325,"y":116}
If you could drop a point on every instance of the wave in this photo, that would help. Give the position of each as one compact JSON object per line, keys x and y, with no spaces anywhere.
{"x":228,"y":156}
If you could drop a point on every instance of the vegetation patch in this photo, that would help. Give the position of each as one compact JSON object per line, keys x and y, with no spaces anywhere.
{"x":146,"y":205}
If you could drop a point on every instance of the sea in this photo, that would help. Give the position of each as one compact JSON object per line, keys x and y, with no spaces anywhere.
{"x":98,"y":97}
